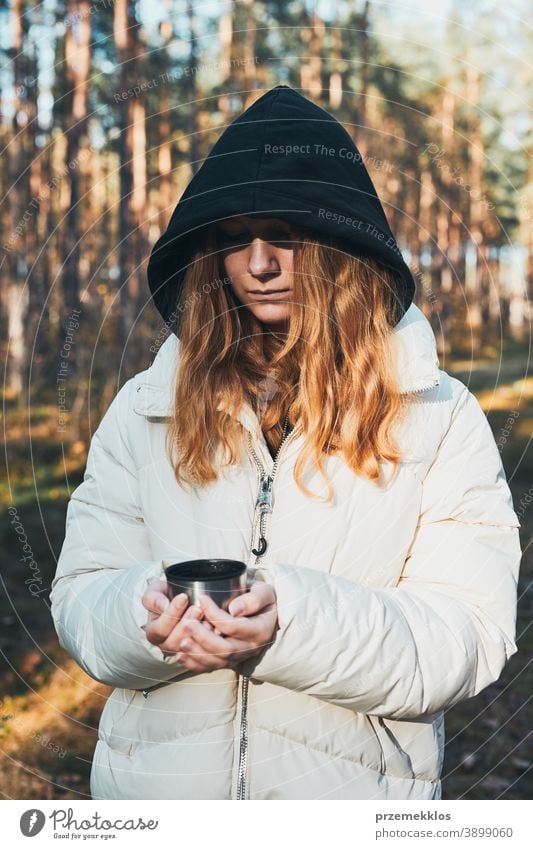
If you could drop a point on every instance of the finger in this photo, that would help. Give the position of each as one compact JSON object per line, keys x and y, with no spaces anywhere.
{"x":155,"y":599}
{"x":172,"y":641}
{"x":197,"y":653}
{"x":223,"y":622}
{"x":202,"y":658}
{"x":204,"y":645}
{"x":199,"y":658}
{"x":260,"y":595}
{"x":207,"y":641}
{"x":159,"y":628}
{"x":197,"y":613}
{"x":195,"y":664}
{"x":192,"y":611}
{"x":161,"y":586}
{"x":240,"y":627}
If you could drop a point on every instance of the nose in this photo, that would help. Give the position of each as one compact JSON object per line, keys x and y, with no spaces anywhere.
{"x":262,"y":258}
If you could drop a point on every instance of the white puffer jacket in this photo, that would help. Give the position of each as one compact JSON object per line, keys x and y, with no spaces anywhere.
{"x":393,"y":604}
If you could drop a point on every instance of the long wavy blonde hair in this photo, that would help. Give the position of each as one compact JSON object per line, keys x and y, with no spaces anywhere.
{"x":332,"y":371}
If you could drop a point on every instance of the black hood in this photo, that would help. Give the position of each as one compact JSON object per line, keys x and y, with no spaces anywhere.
{"x":284,"y":157}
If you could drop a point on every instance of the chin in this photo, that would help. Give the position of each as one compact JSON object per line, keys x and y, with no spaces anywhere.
{"x":272,"y":316}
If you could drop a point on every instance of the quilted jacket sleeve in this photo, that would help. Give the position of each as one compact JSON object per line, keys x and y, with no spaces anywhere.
{"x":445,"y":631}
{"x":105,"y":565}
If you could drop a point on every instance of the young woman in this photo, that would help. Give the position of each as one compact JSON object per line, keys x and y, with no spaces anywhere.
{"x":295,"y":418}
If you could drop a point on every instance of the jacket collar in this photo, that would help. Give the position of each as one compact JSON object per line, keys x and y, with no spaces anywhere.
{"x":412,"y":339}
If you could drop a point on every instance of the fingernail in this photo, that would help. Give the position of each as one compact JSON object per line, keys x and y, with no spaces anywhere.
{"x":181,"y":598}
{"x":235,"y":608}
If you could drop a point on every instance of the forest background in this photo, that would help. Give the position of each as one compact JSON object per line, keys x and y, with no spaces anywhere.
{"x":106,"y":111}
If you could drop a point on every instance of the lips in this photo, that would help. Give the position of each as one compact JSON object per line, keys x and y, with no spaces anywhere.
{"x":270,"y":296}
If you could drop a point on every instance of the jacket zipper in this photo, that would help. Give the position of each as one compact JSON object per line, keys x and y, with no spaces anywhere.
{"x":264,"y":501}
{"x":264,"y":505}
{"x":423,"y":388}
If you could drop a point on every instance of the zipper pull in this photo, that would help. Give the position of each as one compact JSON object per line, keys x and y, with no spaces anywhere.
{"x":264,"y":496}
{"x":264,"y":503}
{"x":262,"y":547}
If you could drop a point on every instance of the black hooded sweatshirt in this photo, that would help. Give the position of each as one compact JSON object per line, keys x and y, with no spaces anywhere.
{"x":284,"y":157}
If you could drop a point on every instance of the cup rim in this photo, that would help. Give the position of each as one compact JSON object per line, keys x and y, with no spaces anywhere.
{"x":233,"y":569}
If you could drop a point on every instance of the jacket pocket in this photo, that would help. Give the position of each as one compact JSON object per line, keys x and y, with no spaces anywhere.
{"x":396,"y":761}
{"x":116,"y":708}
{"x":415,"y":748}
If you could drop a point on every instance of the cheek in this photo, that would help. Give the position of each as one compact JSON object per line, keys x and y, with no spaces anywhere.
{"x":234,"y":268}
{"x":286,"y":262}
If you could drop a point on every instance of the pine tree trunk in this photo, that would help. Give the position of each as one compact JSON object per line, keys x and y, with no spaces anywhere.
{"x":192,"y":93}
{"x":132,"y":153}
{"x":78,"y":58}
{"x":14,"y":237}
{"x":225,"y":35}
{"x":474,"y":279}
{"x":311,"y":70}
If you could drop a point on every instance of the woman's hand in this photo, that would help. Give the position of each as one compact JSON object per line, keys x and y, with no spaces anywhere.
{"x":234,"y":638}
{"x":167,"y":617}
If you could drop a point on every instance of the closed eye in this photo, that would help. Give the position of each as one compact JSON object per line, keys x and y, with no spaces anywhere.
{"x":233,"y":237}
{"x":282,"y":235}
{"x":274,"y":236}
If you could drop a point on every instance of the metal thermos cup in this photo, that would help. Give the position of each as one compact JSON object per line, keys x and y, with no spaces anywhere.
{"x":218,"y":578}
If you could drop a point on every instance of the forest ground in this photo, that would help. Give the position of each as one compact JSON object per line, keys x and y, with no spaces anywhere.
{"x":49,"y":708}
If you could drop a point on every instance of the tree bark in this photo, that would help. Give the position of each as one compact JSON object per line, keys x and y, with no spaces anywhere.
{"x":132,"y":154}
{"x":14,"y":238}
{"x":78,"y":59}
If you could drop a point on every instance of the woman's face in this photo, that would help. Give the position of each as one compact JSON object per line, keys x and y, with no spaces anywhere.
{"x":258,"y":262}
